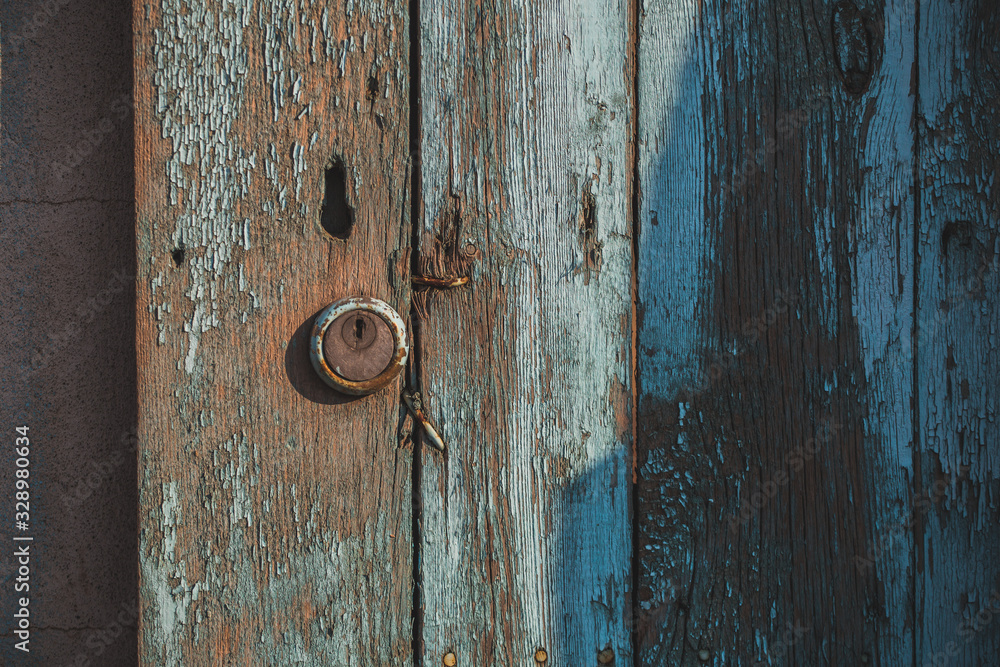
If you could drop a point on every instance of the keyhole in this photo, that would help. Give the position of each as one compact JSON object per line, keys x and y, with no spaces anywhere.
{"x":359,"y":331}
{"x":337,"y":217}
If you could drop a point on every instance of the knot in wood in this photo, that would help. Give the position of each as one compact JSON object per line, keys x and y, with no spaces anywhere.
{"x":855,"y":42}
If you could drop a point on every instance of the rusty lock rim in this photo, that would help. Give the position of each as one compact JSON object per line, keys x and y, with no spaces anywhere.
{"x":368,"y":304}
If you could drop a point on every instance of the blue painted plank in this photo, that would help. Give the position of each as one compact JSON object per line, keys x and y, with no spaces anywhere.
{"x":775,"y":283}
{"x":957,"y":560}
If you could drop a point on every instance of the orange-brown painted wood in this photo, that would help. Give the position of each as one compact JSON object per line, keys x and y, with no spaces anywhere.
{"x":273,"y":511}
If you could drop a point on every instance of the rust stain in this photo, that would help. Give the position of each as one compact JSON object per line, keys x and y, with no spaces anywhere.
{"x":590,"y":246}
{"x":620,"y":400}
{"x":439,"y":283}
{"x":414,"y":404}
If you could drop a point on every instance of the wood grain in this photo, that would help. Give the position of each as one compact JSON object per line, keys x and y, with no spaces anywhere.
{"x":815,"y":473}
{"x":526,"y":112}
{"x":958,"y":540}
{"x":273,"y":513}
{"x":775,"y":281}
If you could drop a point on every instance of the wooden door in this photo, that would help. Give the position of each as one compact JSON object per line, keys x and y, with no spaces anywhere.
{"x":702,"y":305}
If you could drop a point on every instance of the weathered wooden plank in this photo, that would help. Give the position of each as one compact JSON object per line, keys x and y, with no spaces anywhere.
{"x":775,"y":305}
{"x":273,"y":515}
{"x":958,"y":539}
{"x":526,"y":112}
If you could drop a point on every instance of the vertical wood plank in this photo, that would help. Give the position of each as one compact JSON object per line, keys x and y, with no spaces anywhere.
{"x":526,"y":112}
{"x":775,"y":305}
{"x":958,"y":542}
{"x":273,"y":516}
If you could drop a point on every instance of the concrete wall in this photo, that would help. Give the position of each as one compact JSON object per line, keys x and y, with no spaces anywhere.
{"x":67,"y":366}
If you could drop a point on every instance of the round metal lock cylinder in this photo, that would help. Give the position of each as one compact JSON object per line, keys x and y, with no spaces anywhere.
{"x":358,"y":345}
